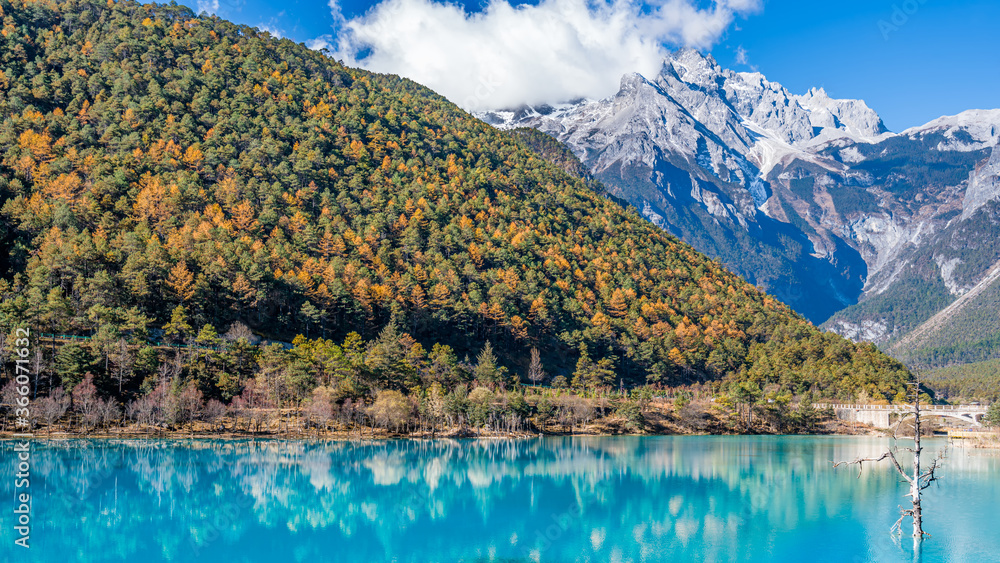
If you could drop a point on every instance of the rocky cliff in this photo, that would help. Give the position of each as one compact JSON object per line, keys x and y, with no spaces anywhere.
{"x":808,"y":196}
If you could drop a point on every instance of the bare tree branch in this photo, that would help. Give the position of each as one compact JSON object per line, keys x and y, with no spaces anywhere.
{"x":861,"y":461}
{"x":918,"y":481}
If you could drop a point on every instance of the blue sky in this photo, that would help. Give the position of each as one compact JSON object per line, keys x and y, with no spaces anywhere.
{"x":910,"y":60}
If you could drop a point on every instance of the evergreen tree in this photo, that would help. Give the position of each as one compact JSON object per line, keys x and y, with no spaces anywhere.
{"x":178,"y":329}
{"x":71,"y":363}
{"x":488,"y":370}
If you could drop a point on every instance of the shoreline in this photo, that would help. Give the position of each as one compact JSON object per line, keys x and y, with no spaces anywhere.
{"x":659,"y":419}
{"x":367,"y":435}
{"x":989,"y":445}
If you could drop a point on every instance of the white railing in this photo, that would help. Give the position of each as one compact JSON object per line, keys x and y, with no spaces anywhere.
{"x":937,"y":408}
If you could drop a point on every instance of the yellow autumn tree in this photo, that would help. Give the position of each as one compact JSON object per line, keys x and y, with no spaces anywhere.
{"x":181,"y":281}
{"x":617,"y":306}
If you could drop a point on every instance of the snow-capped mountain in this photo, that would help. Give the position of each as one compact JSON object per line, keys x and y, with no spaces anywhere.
{"x":740,"y":110}
{"x":808,"y":196}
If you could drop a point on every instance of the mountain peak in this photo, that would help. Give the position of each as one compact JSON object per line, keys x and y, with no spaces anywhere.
{"x":849,"y":116}
{"x":819,"y":92}
{"x":982,"y":124}
{"x":630,"y":81}
{"x":690,"y":56}
{"x":691,"y":66}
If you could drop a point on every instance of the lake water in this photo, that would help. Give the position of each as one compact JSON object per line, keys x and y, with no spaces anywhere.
{"x":547,"y":499}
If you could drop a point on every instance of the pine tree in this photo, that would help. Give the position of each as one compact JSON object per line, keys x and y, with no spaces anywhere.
{"x":488,"y":370}
{"x":178,"y":329}
{"x":72,"y":362}
{"x":310,"y":316}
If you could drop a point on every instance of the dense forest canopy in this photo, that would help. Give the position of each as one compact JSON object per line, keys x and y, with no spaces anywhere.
{"x":164,"y":174}
{"x":979,"y":381}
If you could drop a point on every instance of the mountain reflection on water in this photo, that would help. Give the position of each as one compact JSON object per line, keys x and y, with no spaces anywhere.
{"x":548,"y":499}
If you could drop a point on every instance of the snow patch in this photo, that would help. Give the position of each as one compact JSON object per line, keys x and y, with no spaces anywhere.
{"x":947,"y":274}
{"x":851,"y":155}
{"x":982,"y":126}
{"x":865,"y":331}
{"x":652,"y":216}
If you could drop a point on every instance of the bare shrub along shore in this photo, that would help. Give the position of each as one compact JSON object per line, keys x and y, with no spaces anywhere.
{"x":174,"y":410}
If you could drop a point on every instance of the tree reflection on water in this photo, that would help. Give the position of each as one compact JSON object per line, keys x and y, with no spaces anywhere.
{"x":549,"y":499}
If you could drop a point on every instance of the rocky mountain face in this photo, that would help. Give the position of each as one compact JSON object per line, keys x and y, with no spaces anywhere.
{"x":810,"y":197}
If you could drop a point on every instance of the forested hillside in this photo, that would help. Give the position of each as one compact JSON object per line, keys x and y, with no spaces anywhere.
{"x":979,"y":381}
{"x":165,"y":176}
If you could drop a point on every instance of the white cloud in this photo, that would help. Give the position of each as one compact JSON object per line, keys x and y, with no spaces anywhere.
{"x":208,"y":6}
{"x":271,"y":28}
{"x":741,"y":56}
{"x":320,"y":43}
{"x":505,"y":56}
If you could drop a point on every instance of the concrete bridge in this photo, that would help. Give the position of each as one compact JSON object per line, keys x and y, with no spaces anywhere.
{"x":880,"y":416}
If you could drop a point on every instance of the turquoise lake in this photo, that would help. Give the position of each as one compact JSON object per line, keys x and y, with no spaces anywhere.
{"x":693,"y":498}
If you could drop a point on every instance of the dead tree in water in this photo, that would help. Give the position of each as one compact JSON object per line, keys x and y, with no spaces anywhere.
{"x":918,"y":481}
